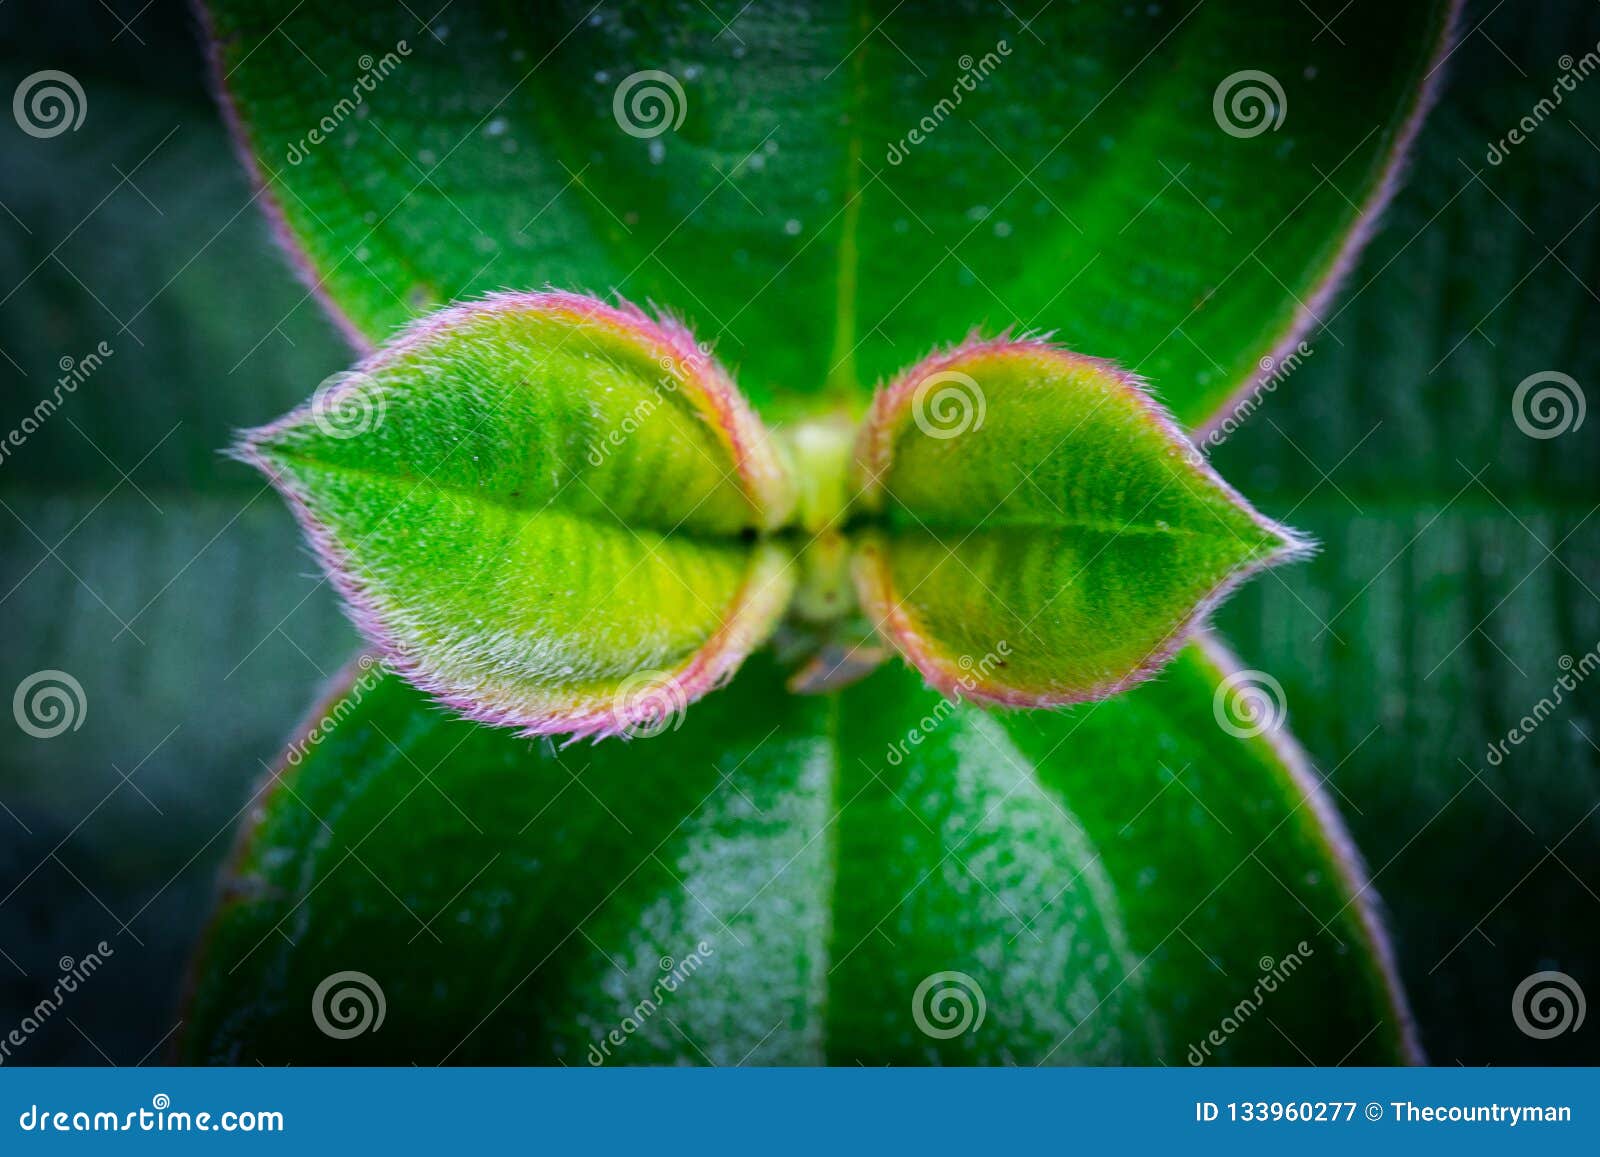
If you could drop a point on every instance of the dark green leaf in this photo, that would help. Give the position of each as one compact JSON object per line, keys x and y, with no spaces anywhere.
{"x":1100,"y":885}
{"x":1458,"y":583}
{"x":1103,"y":171}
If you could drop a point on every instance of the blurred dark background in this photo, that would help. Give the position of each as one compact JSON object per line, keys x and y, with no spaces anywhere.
{"x":132,"y":554}
{"x":1459,"y":560}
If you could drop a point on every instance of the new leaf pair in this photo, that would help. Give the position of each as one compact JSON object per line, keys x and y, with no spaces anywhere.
{"x":561,"y":516}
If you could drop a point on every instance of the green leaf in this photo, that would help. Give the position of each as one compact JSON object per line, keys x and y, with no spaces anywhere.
{"x":1120,"y":174}
{"x":1458,"y":584}
{"x":834,"y":869}
{"x":1046,"y":513}
{"x":535,"y":504}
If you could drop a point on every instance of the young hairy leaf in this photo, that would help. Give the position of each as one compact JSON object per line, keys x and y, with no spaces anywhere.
{"x":1042,"y":500}
{"x":537,"y":505}
{"x":529,"y":587}
{"x":824,"y":880}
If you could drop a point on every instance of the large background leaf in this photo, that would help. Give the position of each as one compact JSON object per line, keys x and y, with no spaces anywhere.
{"x":1086,"y":185}
{"x":1435,"y":276}
{"x":516,"y":903}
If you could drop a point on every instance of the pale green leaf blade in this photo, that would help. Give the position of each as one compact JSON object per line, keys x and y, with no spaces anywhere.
{"x":1041,"y":506}
{"x":537,"y":504}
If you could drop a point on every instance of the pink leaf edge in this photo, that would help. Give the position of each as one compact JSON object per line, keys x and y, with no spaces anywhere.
{"x":1308,"y":313}
{"x":1348,"y":861}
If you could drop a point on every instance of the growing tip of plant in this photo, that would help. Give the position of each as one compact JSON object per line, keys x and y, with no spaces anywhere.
{"x":561,"y":516}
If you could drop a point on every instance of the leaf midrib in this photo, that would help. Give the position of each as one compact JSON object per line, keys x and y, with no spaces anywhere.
{"x":934,"y":527}
{"x":279,"y":455}
{"x":842,"y":378}
{"x":937,"y":529}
